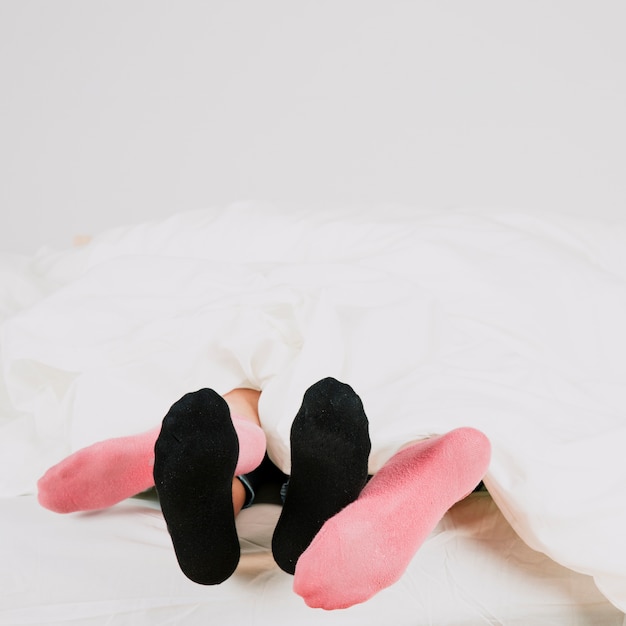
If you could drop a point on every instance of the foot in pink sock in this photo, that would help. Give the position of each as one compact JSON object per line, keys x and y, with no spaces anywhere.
{"x":252,"y":445}
{"x":368,"y":545}
{"x":100,"y":475}
{"x":107,"y":472}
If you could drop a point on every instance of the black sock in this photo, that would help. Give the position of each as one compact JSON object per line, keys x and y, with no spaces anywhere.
{"x":264,"y":483}
{"x":195,"y":458}
{"x":330,"y":447}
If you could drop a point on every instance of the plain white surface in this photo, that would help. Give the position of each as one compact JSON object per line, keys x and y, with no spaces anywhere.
{"x":120,"y":111}
{"x":117,"y":567}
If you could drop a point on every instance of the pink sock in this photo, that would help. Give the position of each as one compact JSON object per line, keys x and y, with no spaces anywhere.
{"x":252,"y":445}
{"x":110,"y":471}
{"x":368,"y":545}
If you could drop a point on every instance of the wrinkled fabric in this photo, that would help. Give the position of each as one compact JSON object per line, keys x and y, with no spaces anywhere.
{"x":511,"y":323}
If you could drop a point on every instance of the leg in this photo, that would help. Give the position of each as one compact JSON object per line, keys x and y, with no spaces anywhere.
{"x":368,"y":545}
{"x":244,"y":407}
{"x":330,"y":448}
{"x":109,"y":471}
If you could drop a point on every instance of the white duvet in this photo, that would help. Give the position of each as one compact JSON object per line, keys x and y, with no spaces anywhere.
{"x":511,"y":323}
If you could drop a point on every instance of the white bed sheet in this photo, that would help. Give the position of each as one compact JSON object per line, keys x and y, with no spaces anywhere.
{"x":117,"y":567}
{"x":512,"y":323}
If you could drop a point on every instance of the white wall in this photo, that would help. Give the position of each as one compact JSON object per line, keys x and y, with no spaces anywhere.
{"x":116,"y":111}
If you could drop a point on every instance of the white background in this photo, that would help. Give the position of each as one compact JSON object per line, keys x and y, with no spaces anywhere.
{"x":114,"y":112}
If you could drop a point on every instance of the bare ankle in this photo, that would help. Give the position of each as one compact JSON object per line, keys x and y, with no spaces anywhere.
{"x":244,"y":403}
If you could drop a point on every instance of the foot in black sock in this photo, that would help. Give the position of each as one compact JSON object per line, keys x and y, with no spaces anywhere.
{"x":330,"y":447}
{"x":195,"y":458}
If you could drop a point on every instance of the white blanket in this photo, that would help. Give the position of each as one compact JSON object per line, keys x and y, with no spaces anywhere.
{"x":511,"y":323}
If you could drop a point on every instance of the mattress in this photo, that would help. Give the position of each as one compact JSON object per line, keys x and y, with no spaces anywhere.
{"x":116,"y":567}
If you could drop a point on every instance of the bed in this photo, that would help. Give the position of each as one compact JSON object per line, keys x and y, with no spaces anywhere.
{"x":510,"y":322}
